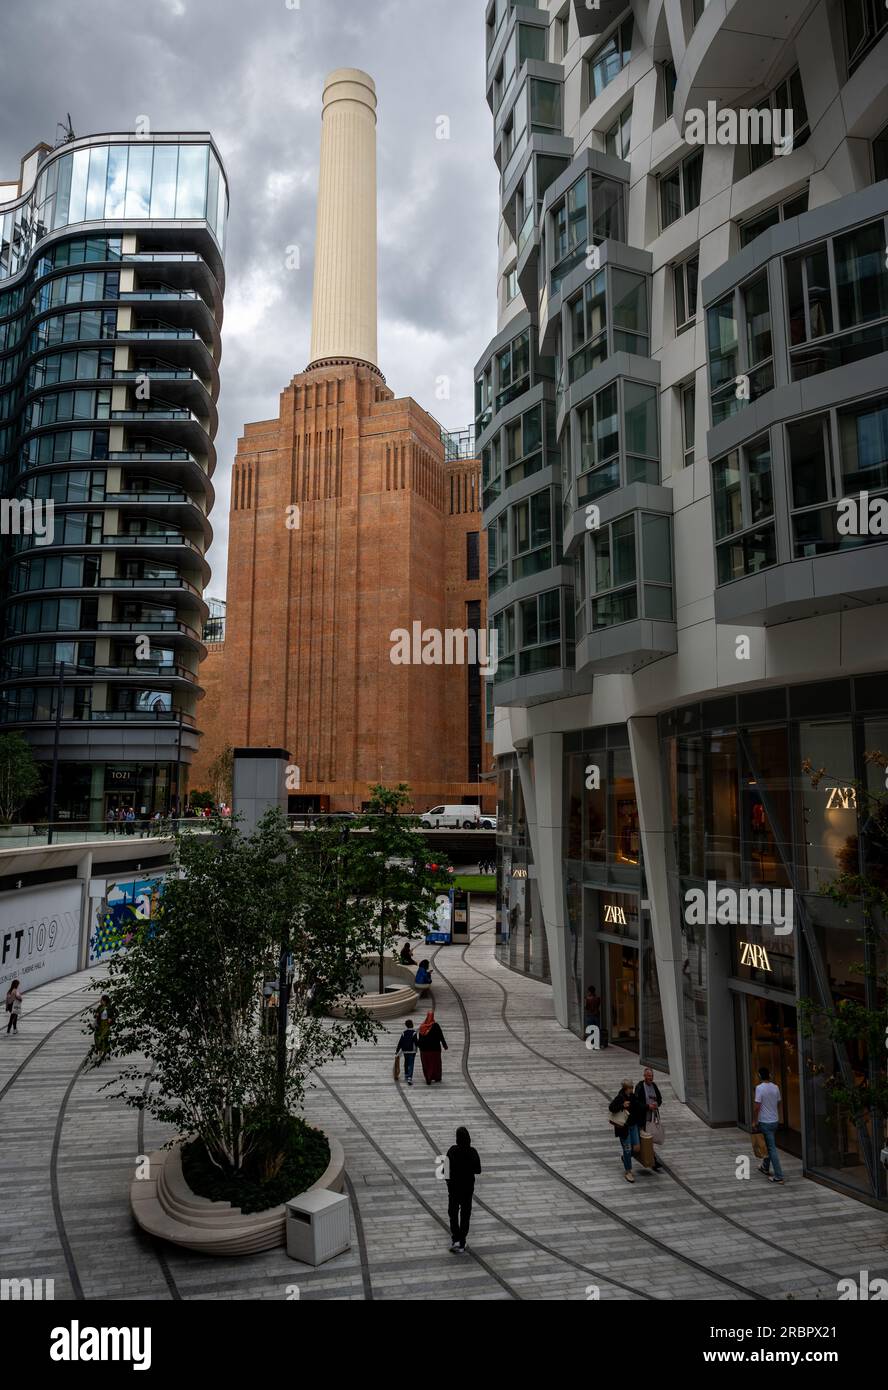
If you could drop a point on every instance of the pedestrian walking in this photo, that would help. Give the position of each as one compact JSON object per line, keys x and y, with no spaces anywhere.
{"x":121,"y":819}
{"x":13,"y":1006}
{"x":463,"y":1166}
{"x":647,"y":1094}
{"x":627,"y":1119}
{"x":407,"y":1049}
{"x":430,"y":1041}
{"x":103,"y":1017}
{"x":767,"y":1119}
{"x":111,"y":819}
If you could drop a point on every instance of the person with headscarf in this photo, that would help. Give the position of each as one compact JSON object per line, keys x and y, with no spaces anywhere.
{"x":463,"y":1164}
{"x":430,"y":1040}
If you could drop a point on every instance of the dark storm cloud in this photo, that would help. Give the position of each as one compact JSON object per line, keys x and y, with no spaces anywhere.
{"x":251,"y":71}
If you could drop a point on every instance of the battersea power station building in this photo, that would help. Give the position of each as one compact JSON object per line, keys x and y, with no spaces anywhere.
{"x":353,"y":515}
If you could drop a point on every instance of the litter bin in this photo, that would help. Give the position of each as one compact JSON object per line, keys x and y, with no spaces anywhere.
{"x":317,"y":1226}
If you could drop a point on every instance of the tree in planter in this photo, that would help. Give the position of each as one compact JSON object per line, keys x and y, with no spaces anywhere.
{"x":19,"y":775}
{"x":221,"y":774}
{"x":186,"y":995}
{"x":398,"y":886}
{"x":862,"y":883}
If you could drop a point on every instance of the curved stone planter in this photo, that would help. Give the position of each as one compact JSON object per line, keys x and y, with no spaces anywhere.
{"x":164,"y":1206}
{"x":397,"y":1002}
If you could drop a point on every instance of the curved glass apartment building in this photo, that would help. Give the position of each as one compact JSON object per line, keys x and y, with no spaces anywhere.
{"x":111,"y":285}
{"x":687,"y":392}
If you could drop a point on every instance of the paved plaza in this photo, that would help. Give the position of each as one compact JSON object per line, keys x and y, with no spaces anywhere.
{"x":553,"y":1217}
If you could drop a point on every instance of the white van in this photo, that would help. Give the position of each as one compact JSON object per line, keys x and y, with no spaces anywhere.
{"x":451,"y":817}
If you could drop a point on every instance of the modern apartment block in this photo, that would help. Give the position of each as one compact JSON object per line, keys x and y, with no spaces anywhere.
{"x":353,"y":516}
{"x":690,"y":376}
{"x":111,"y":284}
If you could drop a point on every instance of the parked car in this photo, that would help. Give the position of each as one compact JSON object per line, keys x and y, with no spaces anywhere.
{"x":488,"y":822}
{"x":451,"y":818}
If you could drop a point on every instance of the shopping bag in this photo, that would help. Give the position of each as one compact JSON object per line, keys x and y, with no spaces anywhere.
{"x":655,"y":1128}
{"x":396,"y":1069}
{"x":646,"y":1149}
{"x":759,"y":1147}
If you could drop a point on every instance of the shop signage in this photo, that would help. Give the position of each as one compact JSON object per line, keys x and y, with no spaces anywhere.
{"x":519,"y":873}
{"x":754,"y":956}
{"x":615,"y":914}
{"x":841,"y":799}
{"x":39,"y":934}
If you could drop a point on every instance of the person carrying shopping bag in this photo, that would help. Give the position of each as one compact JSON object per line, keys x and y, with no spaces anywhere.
{"x":627,"y":1118}
{"x":647,"y":1094}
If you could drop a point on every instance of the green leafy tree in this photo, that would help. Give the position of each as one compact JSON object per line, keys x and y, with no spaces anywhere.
{"x":186,"y":996}
{"x":860,"y":1026}
{"x":19,"y":775}
{"x":397,"y":885}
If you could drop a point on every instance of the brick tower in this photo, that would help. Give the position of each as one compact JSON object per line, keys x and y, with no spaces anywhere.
{"x":350,"y":518}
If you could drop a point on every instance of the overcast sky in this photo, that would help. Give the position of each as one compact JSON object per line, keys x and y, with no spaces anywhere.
{"x":251,"y":72}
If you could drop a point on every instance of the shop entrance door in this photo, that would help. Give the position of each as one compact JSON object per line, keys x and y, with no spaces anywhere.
{"x":772,"y":1042}
{"x":621,"y":964}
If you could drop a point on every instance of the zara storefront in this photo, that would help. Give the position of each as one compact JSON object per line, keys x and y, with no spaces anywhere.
{"x":757,"y":797}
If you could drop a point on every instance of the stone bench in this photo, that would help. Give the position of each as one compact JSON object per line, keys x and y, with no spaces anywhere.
{"x":165,"y":1206}
{"x":395,"y":1003}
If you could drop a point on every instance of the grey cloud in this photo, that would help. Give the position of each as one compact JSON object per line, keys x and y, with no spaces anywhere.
{"x":252,"y":73}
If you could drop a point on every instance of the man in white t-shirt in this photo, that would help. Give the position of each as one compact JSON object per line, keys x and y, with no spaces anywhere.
{"x":767,"y":1118}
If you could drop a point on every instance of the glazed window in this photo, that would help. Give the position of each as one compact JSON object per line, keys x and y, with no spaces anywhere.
{"x":631,"y":570}
{"x":742,"y":502}
{"x":609,"y":59}
{"x":498,"y":553}
{"x":684,"y":284}
{"x":616,"y":140}
{"x":532,"y":548}
{"x":837,"y":301}
{"x":740,"y":348}
{"x":787,"y":100}
{"x":865,"y":23}
{"x":830,"y":456}
{"x":540,"y":618}
{"x":680,"y":189}
{"x":780,"y":212}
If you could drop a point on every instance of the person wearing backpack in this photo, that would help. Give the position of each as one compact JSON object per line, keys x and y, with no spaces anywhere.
{"x":407,"y":1049}
{"x":13,"y":1006}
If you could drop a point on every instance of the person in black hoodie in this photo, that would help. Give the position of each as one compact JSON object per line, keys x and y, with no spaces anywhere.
{"x":626,"y":1101}
{"x":463,"y":1164}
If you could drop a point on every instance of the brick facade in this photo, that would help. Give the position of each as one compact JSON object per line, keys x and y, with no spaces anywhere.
{"x":380,"y":544}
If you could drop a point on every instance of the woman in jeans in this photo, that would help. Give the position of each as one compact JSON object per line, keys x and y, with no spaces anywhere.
{"x":626,"y":1102}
